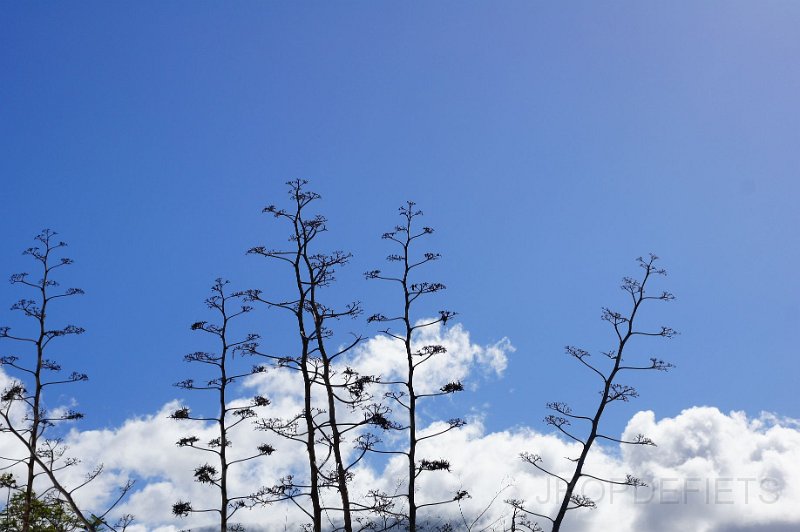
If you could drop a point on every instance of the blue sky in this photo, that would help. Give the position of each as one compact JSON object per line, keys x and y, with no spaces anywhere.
{"x":549,"y":145}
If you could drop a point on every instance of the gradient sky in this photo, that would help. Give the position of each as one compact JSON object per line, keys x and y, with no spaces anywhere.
{"x":549,"y":145}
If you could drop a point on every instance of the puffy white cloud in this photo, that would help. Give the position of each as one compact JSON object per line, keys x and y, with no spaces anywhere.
{"x":711,"y":471}
{"x":145,"y":448}
{"x":717,"y":472}
{"x":463,"y":361}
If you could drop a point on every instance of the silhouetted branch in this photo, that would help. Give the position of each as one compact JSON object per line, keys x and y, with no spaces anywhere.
{"x":45,"y":456}
{"x":613,"y":391}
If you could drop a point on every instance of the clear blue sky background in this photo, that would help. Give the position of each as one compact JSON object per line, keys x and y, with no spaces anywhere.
{"x":549,"y":144}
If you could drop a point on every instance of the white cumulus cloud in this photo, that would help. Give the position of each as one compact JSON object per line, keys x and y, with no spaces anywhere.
{"x":711,"y":471}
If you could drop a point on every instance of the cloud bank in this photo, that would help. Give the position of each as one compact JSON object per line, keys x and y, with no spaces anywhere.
{"x":711,"y":471}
